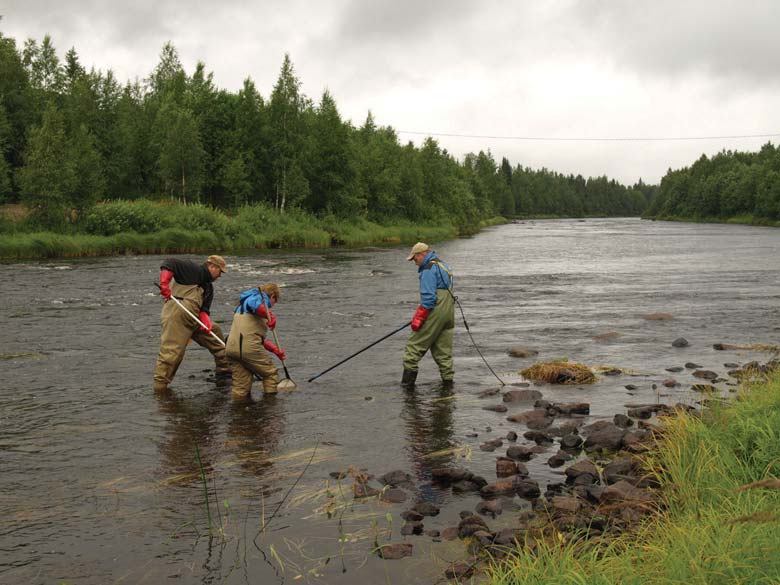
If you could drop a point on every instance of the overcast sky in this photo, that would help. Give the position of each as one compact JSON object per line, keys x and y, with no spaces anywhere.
{"x":560,"y":69}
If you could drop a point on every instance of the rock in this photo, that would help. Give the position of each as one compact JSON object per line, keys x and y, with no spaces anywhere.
{"x":395,"y":551}
{"x":502,"y":486}
{"x":522,"y":352}
{"x":606,"y":336}
{"x":609,"y":439}
{"x":599,"y":425}
{"x":619,"y":469}
{"x":534,"y":419}
{"x":569,"y":408}
{"x":459,"y":570}
{"x":670,"y":383}
{"x":571,"y":442}
{"x":565,"y":505}
{"x":519,"y":453}
{"x":643,"y":412}
{"x":675,"y":369}
{"x":491,"y":445}
{"x":496,"y":408}
{"x":586,"y":466}
{"x":624,"y":491}
{"x":484,"y":537}
{"x":411,"y":516}
{"x":559,"y":459}
{"x":612,"y":372}
{"x":489,"y":507}
{"x":363,"y":490}
{"x":465,"y":486}
{"x":450,"y":533}
{"x":622,"y":421}
{"x":539,"y":437}
{"x":511,"y":436}
{"x":509,"y":537}
{"x":527,"y":488}
{"x":569,"y":427}
{"x":338,"y":474}
{"x":449,"y":474}
{"x":691,"y":365}
{"x":412,"y":528}
{"x":680,"y":342}
{"x":433,"y":533}
{"x":705,"y":374}
{"x":659,"y":317}
{"x":630,"y":387}
{"x":505,"y":467}
{"x":471,"y":524}
{"x":730,"y":365}
{"x":393,"y":495}
{"x":396,"y":478}
{"x":426,"y":508}
{"x":489,"y":392}
{"x":521,"y":395}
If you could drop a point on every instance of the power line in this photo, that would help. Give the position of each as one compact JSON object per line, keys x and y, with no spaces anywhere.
{"x":591,"y":139}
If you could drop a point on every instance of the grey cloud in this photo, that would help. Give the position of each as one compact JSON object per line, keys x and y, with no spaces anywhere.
{"x":399,"y":20}
{"x":724,"y":39}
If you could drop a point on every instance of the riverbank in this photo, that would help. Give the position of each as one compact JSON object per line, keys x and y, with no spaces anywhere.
{"x":720,"y":513}
{"x":747,"y":219}
{"x":146,"y":227}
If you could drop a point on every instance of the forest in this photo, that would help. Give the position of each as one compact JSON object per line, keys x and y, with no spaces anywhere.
{"x":730,"y":186}
{"x":73,"y":140}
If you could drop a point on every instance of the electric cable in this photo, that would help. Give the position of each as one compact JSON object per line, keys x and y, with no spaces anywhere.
{"x":590,"y":139}
{"x":474,"y":343}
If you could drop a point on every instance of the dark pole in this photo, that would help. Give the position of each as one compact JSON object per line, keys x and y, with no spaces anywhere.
{"x":405,"y":325}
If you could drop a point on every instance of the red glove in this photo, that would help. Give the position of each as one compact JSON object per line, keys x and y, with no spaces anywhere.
{"x":266,"y":314}
{"x":420,"y":315}
{"x":275,"y":350}
{"x":206,"y":320}
{"x":165,"y":283}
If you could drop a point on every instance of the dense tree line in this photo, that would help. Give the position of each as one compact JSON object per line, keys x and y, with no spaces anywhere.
{"x":742,"y":185}
{"x":70,"y":137}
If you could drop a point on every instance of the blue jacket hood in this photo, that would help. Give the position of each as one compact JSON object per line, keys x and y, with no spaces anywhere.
{"x":251,"y":300}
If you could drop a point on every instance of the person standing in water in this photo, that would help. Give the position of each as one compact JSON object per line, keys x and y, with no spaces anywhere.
{"x":247,"y":347}
{"x":191,"y":284}
{"x":433,"y":323}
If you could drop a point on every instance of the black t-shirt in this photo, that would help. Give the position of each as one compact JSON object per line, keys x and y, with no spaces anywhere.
{"x":187,"y":272}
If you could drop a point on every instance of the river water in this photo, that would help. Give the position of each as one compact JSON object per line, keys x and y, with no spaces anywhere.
{"x":101,"y":481}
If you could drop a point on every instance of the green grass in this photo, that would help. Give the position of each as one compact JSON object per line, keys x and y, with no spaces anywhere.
{"x":148,"y":227}
{"x":743,"y":219}
{"x":711,"y":532}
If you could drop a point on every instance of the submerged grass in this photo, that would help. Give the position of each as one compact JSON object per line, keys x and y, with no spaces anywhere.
{"x":719,"y":474}
{"x":559,"y":373}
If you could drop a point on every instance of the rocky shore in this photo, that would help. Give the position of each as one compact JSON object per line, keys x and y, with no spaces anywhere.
{"x":605,"y":491}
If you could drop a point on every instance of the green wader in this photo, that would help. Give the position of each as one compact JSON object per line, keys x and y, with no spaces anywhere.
{"x":247,"y":356}
{"x":177,"y":328}
{"x":435,"y":334}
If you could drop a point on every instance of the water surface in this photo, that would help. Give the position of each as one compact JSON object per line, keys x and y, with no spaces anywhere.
{"x":103,"y":482}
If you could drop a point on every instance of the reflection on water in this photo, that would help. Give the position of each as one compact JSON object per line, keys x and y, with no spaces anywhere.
{"x":100,"y":479}
{"x":429,"y":426}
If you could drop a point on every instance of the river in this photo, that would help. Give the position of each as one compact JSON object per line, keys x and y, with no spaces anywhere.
{"x":101,"y":481}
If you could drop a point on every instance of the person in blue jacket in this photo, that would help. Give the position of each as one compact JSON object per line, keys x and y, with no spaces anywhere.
{"x":247,"y":348}
{"x":434,"y":321}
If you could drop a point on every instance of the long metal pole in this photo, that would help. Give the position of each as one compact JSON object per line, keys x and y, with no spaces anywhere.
{"x":198,"y":321}
{"x":276,"y":339}
{"x":405,"y":325}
